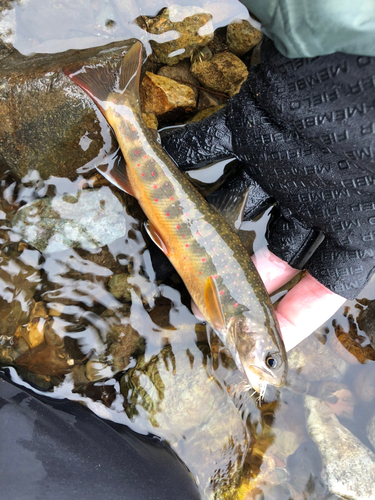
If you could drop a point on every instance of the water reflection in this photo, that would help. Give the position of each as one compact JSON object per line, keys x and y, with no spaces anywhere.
{"x":98,"y":325}
{"x":61,"y":26}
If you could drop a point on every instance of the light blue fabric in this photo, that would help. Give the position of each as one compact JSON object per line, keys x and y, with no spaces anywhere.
{"x":307,"y":28}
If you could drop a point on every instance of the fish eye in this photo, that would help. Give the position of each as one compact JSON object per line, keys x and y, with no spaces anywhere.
{"x":272,"y":361}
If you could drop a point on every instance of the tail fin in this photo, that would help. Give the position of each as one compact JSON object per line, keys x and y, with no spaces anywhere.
{"x":104,"y":85}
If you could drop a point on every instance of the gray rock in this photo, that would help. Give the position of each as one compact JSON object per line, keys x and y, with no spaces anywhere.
{"x":348,"y":465}
{"x":89,"y":220}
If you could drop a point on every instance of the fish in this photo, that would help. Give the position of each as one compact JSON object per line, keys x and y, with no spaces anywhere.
{"x":204,"y":249}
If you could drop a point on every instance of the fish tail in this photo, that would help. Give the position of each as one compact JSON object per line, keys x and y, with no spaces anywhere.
{"x":104,"y":85}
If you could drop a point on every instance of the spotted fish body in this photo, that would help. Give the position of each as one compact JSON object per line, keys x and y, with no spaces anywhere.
{"x":203,"y":248}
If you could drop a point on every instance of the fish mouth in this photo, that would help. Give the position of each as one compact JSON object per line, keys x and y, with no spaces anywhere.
{"x":258,"y":375}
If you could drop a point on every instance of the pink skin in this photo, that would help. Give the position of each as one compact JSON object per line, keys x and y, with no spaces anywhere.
{"x":304,"y":308}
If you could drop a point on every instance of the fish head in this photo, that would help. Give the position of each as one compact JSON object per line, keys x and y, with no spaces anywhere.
{"x":260,"y":351}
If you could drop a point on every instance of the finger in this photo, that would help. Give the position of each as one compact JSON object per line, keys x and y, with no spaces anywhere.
{"x":304,"y":308}
{"x":273,"y":271}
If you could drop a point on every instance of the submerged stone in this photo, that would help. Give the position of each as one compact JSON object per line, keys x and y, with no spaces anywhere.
{"x":90,"y":219}
{"x":348,"y":465}
{"x":312,"y":361}
{"x":191,"y":410}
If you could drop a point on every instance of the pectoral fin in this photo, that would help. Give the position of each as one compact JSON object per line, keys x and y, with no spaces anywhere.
{"x":156,"y":237}
{"x":116,"y":175}
{"x":213,"y":304}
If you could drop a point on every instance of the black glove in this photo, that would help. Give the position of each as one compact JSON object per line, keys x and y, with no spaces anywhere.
{"x":304,"y":130}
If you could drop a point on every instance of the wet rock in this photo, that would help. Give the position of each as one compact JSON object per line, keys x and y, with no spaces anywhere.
{"x":366,"y":321}
{"x":305,"y":466}
{"x":123,"y":343}
{"x":50,"y":357}
{"x":46,"y":360}
{"x":241,"y":37}
{"x":189,"y":408}
{"x":364,"y":383}
{"x":208,"y":100}
{"x":348,"y":466}
{"x":204,"y":113}
{"x":47,"y":122}
{"x":150,"y":120}
{"x":119,"y":287}
{"x":371,"y":430}
{"x":192,"y":25}
{"x":165,"y":97}
{"x":33,"y":332}
{"x":338,"y":397}
{"x":224,"y":73}
{"x":7,"y":27}
{"x":181,"y":74}
{"x":19,"y":278}
{"x":350,"y":345}
{"x":312,"y":361}
{"x":256,"y":55}
{"x":90,"y":219}
{"x":95,"y":370}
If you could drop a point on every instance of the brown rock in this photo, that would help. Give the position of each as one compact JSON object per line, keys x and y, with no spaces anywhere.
{"x":194,"y":29}
{"x":256,"y":55}
{"x":47,"y":122}
{"x":181,"y":73}
{"x":150,"y":120}
{"x":123,"y":341}
{"x":165,"y":97}
{"x":350,"y":345}
{"x":241,"y":37}
{"x":45,"y":360}
{"x":207,"y":100}
{"x":204,"y":113}
{"x":366,"y":321}
{"x":224,"y":73}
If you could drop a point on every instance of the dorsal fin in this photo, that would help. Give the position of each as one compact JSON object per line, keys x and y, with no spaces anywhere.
{"x":230,"y":204}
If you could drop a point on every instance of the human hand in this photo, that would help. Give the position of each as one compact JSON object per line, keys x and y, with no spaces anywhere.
{"x":302,"y":131}
{"x":305,"y":307}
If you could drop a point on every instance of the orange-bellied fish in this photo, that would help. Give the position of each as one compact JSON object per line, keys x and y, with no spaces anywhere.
{"x":203,"y":248}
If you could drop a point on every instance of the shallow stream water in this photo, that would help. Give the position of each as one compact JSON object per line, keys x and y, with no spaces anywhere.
{"x":118,"y":332}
